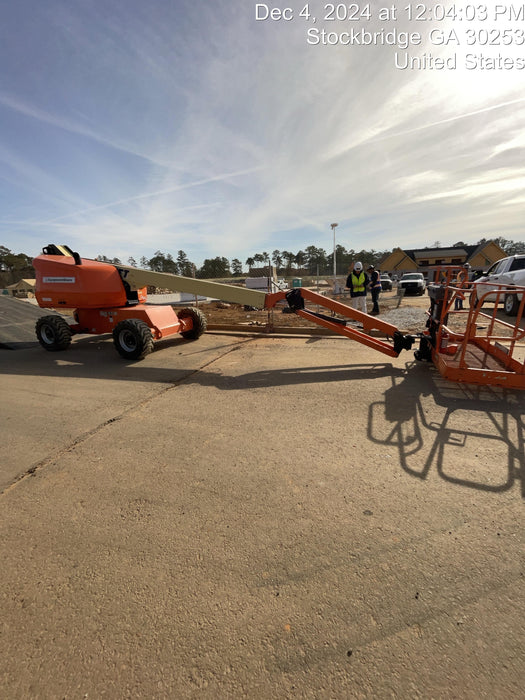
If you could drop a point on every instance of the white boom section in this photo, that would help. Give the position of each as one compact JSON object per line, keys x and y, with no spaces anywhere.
{"x":137,"y":279}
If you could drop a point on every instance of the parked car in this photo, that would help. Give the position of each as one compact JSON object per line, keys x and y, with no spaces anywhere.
{"x":412,"y":283}
{"x":386,"y":282}
{"x":507,"y":271}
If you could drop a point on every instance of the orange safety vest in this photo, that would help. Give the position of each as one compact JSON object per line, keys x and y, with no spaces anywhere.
{"x":462,"y":278}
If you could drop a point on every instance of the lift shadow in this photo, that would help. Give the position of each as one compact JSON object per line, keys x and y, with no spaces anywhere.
{"x":477,"y":440}
{"x":93,"y":357}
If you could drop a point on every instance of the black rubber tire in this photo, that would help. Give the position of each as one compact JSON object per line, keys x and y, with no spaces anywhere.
{"x":53,"y":333}
{"x":133,"y":339}
{"x":512,"y":304}
{"x":199,"y":323}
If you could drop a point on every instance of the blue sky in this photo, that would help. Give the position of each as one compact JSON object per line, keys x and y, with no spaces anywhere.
{"x":128,"y":127}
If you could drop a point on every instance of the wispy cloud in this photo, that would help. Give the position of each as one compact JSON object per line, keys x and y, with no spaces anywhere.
{"x":151,"y":195}
{"x":195,"y":127}
{"x":61,"y":122}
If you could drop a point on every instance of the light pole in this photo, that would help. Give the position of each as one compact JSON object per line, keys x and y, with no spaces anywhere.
{"x":333,"y":226}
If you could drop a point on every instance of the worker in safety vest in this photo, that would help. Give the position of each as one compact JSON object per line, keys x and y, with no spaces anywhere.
{"x":462,"y":281}
{"x":357,"y":282}
{"x":375,"y":288}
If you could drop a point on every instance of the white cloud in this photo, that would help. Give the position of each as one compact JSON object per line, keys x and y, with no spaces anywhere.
{"x":197,"y":128}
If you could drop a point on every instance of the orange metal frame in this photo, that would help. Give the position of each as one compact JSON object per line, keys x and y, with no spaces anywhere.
{"x":486,"y":352}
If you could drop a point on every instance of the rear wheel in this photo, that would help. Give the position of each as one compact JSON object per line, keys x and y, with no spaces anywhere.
{"x":198,"y":320}
{"x":133,"y":339}
{"x":512,"y":304}
{"x":53,"y":333}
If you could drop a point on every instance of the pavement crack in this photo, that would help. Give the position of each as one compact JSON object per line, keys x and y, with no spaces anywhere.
{"x":83,"y":437}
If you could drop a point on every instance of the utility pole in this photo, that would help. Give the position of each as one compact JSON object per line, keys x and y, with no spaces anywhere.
{"x":333,"y":226}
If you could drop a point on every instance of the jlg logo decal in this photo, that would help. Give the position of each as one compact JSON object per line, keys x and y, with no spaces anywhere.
{"x":60,"y":280}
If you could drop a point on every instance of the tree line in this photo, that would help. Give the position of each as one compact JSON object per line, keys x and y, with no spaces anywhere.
{"x":310,"y":261}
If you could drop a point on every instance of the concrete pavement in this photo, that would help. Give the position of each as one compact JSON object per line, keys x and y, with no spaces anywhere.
{"x":257,"y":517}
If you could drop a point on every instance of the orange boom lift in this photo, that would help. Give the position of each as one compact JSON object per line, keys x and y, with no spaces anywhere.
{"x":109,"y":298}
{"x":112,"y":299}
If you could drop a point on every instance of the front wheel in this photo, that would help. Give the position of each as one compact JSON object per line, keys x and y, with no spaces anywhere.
{"x":53,"y":333}
{"x":198,"y":320}
{"x":512,"y":304}
{"x":133,"y":339}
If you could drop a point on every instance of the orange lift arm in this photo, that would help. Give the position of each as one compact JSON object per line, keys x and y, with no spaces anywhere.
{"x":296,"y":301}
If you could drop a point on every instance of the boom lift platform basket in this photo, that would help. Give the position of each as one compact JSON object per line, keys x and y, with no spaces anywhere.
{"x":472,"y":345}
{"x":111,"y":298}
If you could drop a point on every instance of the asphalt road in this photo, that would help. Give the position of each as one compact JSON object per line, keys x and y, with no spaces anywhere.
{"x":17,"y":323}
{"x":257,"y":517}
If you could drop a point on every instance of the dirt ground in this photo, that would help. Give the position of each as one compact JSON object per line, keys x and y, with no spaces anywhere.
{"x":220,"y":313}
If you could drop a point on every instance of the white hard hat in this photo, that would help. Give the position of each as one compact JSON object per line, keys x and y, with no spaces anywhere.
{"x":358,"y":266}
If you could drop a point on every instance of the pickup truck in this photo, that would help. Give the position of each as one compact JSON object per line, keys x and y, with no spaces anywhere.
{"x":412,"y":283}
{"x":507,"y":271}
{"x":386,"y":282}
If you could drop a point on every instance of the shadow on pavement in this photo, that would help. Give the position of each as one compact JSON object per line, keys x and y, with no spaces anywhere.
{"x":476,"y":437}
{"x":94,"y":357}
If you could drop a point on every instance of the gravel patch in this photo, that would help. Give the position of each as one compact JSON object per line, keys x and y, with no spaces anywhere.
{"x":406,"y":318}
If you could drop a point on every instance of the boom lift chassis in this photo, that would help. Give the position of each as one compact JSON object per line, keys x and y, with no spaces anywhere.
{"x":109,"y":298}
